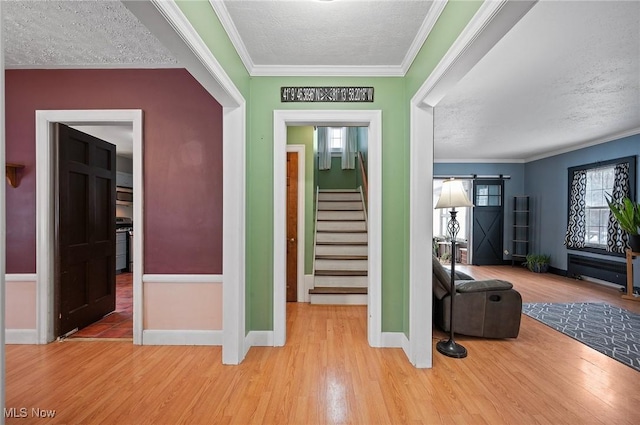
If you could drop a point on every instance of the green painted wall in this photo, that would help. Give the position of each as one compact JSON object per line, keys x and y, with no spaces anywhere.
{"x":363,"y":148}
{"x":205,"y":21}
{"x":265,"y":97}
{"x":304,"y":136}
{"x":392,"y":97}
{"x":336,"y":177}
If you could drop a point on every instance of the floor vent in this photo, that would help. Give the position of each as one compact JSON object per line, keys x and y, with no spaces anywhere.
{"x":608,"y":270}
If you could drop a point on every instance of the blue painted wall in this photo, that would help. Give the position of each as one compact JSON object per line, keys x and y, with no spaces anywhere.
{"x":512,"y":187}
{"x":546,"y":181}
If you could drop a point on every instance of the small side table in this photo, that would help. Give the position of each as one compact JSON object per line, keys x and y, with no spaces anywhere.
{"x":629,"y":295}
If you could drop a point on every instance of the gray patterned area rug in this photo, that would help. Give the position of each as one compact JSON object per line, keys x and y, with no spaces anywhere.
{"x":610,"y":330}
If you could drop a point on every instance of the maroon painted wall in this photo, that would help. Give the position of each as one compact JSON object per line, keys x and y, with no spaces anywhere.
{"x":182,"y":159}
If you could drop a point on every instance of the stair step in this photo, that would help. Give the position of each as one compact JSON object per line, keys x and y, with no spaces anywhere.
{"x":342,"y":265}
{"x":347,"y":250}
{"x":334,"y":290}
{"x":323,"y":238}
{"x":341,"y":257}
{"x":339,"y":196}
{"x":339,"y":206}
{"x":341,"y":226}
{"x":340,"y":215}
{"x":338,"y":296}
{"x":341,"y":281}
{"x":343,"y":273}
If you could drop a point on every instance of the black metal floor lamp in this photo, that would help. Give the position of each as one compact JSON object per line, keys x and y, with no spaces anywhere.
{"x":452,"y":196}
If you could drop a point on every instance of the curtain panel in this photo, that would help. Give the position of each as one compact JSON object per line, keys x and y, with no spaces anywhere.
{"x":617,"y":239}
{"x":577,"y":227}
{"x":349,"y":148}
{"x":324,"y":149}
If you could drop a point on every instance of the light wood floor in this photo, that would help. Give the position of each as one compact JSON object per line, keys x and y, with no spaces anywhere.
{"x":327,"y":374}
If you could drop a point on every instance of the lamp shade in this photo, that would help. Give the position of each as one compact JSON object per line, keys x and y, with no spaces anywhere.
{"x":453,"y":195}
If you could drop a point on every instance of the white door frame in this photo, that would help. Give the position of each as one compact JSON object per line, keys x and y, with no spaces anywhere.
{"x":492,"y":21}
{"x":45,"y":204}
{"x":368,"y":118}
{"x":300,"y":150}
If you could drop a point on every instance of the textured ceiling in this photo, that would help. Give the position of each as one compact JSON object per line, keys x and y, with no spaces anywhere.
{"x":566,"y":75}
{"x":78,"y":34}
{"x":344,"y":33}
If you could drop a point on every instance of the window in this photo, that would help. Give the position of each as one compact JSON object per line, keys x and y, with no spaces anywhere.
{"x":336,"y":135}
{"x":489,"y":195}
{"x":441,"y":216}
{"x":599,"y":183}
{"x":589,"y":226}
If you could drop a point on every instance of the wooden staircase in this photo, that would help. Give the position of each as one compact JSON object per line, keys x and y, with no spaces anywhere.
{"x":341,"y":249}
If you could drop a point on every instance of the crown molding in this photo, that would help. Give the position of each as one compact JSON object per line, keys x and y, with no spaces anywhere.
{"x":425,"y":29}
{"x":326,"y":71}
{"x":478,"y":161}
{"x":227,"y":23}
{"x":589,"y":143}
{"x":100,"y":66}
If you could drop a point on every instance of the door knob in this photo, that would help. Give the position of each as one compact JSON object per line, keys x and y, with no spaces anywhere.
{"x":292,"y":240}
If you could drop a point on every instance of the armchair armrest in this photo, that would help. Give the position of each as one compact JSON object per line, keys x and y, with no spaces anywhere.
{"x":466,"y":286}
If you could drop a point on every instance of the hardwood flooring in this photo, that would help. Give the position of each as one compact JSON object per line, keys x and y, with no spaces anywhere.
{"x":327,"y":374}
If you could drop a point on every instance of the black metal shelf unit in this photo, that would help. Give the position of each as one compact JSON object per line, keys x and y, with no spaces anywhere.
{"x":520,"y":241}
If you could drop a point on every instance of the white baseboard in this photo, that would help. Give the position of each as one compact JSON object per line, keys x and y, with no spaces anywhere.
{"x":181,"y":337}
{"x":258,"y":339}
{"x":21,"y":336}
{"x":309,"y":283}
{"x":394,"y":340}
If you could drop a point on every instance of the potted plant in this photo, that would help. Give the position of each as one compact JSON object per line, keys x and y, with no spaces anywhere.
{"x":627,"y":214}
{"x":538,"y":263}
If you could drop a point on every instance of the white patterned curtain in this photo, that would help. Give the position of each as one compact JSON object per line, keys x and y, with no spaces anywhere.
{"x":617,"y":239}
{"x":349,"y":148}
{"x":577,"y":227}
{"x":324,"y":149}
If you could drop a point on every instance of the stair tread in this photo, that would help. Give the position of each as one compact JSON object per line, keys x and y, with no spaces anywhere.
{"x":337,"y":290}
{"x":340,"y":257}
{"x":341,"y":243}
{"x":341,"y":273}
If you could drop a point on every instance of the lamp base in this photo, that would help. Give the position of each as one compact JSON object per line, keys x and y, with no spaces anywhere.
{"x":451,"y":349}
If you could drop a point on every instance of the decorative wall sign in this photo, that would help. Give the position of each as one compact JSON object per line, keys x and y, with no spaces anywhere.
{"x":326,"y":94}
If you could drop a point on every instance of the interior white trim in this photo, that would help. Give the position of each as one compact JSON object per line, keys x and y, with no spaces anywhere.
{"x":167,"y":22}
{"x":21,"y":336}
{"x":393,"y":339}
{"x":230,"y":28}
{"x":21,"y":277}
{"x":486,"y":28}
{"x":300,"y":150}
{"x":3,"y":225}
{"x":590,"y":143}
{"x":425,"y":29}
{"x":258,"y":339}
{"x":327,"y":71}
{"x":478,"y":161}
{"x":181,"y":337}
{"x":45,"y":164}
{"x":365,"y":118}
{"x":182,"y":278}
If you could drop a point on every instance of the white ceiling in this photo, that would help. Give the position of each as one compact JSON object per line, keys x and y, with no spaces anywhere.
{"x":566,"y":75}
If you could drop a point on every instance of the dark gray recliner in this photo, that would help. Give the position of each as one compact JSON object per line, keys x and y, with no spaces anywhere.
{"x":485,"y":308}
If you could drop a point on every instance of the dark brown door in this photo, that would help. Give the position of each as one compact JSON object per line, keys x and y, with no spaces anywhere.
{"x":292,"y":226}
{"x":85,"y":229}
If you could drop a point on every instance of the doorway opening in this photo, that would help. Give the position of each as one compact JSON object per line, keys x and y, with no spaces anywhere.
{"x":330,"y":118}
{"x":45,"y":212}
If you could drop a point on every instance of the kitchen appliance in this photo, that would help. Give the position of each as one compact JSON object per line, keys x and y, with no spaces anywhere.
{"x":125,"y":225}
{"x":124,"y":196}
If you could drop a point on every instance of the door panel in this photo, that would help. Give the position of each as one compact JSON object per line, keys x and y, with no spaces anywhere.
{"x":292,"y":226}
{"x":488,"y":219}
{"x":85,"y":229}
